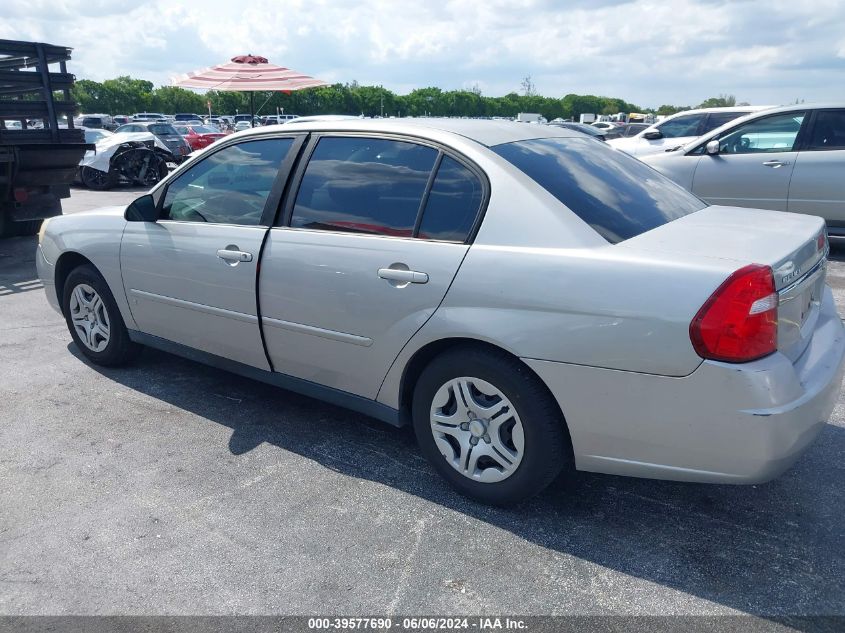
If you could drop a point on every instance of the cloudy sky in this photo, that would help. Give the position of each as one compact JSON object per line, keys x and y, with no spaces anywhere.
{"x":648,"y":52}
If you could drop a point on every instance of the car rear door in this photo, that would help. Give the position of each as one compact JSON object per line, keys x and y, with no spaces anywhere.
{"x":363,"y":255}
{"x":818,"y":186}
{"x":190,"y":277}
{"x":754,"y":163}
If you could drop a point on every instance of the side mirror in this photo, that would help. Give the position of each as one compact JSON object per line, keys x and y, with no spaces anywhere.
{"x":142,"y":209}
{"x":652,"y":135}
{"x":712,"y":147}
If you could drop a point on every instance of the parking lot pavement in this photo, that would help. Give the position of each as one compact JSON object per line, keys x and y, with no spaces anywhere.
{"x":170,"y":487}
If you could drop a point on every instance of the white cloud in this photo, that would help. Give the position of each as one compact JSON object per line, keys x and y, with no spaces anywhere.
{"x":646,"y":51}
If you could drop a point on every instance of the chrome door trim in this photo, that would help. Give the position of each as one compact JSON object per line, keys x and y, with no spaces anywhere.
{"x":332,"y":335}
{"x":190,"y":305}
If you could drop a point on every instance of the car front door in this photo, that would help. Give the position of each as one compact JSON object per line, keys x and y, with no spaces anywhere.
{"x":817,"y":186}
{"x":363,"y":256}
{"x":753,"y":165}
{"x":190,"y":277}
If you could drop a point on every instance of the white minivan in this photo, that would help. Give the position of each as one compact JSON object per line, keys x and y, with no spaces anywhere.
{"x":679,"y":129}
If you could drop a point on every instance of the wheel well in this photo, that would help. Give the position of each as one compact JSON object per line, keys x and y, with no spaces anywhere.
{"x":427,"y":353}
{"x":66,"y":263}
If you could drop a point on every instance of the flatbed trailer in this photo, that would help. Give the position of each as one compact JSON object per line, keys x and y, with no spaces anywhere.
{"x":40,"y":149}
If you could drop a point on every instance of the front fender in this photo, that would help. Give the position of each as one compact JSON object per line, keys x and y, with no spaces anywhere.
{"x":95,"y":236}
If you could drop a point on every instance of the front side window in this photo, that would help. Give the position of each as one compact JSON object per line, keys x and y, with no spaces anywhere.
{"x":363,"y":185}
{"x":775,"y":133}
{"x":828,"y":131}
{"x":718,"y":119}
{"x":616,"y":194}
{"x":686,"y":125}
{"x":229,"y":187}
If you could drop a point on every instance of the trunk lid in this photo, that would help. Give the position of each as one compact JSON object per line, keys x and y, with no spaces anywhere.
{"x":790,"y":243}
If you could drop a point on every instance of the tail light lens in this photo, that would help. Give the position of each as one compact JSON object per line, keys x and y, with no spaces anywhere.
{"x":739,"y":322}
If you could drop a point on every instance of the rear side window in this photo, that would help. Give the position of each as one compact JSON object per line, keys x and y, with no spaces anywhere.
{"x":828,"y":131}
{"x":617,"y":195}
{"x":363,"y":185}
{"x":453,"y":203}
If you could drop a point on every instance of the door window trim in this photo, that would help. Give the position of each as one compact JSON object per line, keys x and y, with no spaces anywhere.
{"x":283,"y":219}
{"x":283,"y":173}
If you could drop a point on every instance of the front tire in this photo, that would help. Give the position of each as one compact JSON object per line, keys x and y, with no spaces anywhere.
{"x":489,"y":426}
{"x":94,"y":319}
{"x":98,"y":180}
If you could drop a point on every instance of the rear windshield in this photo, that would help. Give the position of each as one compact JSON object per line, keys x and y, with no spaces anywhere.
{"x":163,"y":129}
{"x":617,"y":195}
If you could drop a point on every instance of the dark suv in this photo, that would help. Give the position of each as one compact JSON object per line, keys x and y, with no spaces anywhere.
{"x":165,"y":132}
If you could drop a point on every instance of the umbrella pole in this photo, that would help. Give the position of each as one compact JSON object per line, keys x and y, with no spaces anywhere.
{"x":252,"y":108}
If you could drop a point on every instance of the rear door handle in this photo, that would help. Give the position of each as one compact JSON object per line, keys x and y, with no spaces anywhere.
{"x":774,"y":163}
{"x":404,"y":276}
{"x":234,"y":256}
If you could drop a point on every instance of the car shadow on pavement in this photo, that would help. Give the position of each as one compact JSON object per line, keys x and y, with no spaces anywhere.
{"x":771,"y":550}
{"x":17,"y":266}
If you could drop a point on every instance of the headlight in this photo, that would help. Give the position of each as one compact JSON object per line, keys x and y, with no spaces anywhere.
{"x":42,"y":230}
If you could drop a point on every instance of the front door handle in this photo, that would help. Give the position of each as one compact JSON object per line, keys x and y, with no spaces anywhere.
{"x":403,"y":276}
{"x":775,"y":163}
{"x":234,"y":256}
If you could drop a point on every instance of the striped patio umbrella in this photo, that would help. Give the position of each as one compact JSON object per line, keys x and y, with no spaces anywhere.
{"x":247,"y":73}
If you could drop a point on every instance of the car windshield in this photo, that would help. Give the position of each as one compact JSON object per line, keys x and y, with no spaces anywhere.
{"x":162,"y":129}
{"x":202,"y":129}
{"x":617,"y":195}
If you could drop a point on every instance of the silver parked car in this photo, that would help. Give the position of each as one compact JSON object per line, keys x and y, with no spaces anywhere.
{"x":529,"y":299}
{"x":679,"y":129}
{"x":787,"y":159}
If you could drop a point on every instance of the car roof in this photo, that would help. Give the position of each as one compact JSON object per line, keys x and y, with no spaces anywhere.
{"x":482,"y":131}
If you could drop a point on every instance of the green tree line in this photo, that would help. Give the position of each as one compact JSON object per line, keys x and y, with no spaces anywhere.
{"x":126,"y":95}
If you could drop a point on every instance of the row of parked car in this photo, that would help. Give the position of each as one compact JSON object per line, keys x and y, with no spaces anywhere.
{"x":788,"y":158}
{"x":784,"y":158}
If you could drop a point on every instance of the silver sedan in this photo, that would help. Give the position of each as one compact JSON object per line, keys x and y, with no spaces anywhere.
{"x":527,"y":298}
{"x":787,"y":159}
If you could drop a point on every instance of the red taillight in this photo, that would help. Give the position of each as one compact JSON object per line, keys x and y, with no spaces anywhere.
{"x":820,"y":241}
{"x":739,"y":322}
{"x":21,"y":195}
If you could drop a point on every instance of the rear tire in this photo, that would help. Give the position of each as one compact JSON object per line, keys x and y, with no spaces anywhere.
{"x":94,"y":319}
{"x":489,"y":426}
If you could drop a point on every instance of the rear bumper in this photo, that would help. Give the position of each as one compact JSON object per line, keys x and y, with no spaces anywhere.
{"x":723,"y":423}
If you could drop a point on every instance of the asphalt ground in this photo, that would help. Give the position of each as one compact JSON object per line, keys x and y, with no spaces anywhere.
{"x":168,"y":487}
